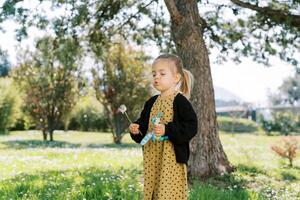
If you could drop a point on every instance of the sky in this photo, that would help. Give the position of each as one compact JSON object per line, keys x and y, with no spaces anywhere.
{"x":249,"y":80}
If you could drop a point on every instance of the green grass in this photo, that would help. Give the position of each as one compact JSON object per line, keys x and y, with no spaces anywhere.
{"x":82,"y":165}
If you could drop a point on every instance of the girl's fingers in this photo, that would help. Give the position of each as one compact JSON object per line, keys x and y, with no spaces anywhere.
{"x":159,"y":129}
{"x":134,"y":131}
{"x":134,"y":125}
{"x":134,"y":128}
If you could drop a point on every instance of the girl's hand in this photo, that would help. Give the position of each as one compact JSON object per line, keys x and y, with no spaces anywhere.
{"x":134,"y":128}
{"x":159,"y":129}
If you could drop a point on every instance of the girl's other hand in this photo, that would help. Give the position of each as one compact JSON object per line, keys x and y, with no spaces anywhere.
{"x":134,"y":128}
{"x":159,"y":129}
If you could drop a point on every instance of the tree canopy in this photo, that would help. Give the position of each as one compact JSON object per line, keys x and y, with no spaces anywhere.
{"x":253,"y":28}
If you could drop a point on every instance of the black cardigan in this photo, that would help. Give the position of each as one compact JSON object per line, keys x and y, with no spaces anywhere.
{"x":180,"y":131}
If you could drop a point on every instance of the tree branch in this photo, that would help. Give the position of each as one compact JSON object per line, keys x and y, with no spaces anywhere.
{"x":132,"y":16}
{"x":278,"y":16}
{"x":175,"y":15}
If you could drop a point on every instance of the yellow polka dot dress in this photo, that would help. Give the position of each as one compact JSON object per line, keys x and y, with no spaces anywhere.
{"x":164,"y":178}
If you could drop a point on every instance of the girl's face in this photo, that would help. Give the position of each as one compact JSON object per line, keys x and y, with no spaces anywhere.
{"x":164,"y":75}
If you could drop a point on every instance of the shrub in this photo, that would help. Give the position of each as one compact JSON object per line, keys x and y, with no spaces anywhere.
{"x":282,"y":122}
{"x":23,"y":122}
{"x":229,"y":124}
{"x":9,"y":104}
{"x":88,"y":115}
{"x":286,"y":148}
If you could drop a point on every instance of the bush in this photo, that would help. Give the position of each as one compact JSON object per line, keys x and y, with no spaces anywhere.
{"x":88,"y":115}
{"x":23,"y":122}
{"x":9,"y":104}
{"x":286,"y":148}
{"x":282,"y":122}
{"x":229,"y":124}
{"x":87,"y":119}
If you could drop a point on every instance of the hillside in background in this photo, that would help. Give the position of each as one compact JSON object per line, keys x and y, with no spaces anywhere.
{"x":224,"y":97}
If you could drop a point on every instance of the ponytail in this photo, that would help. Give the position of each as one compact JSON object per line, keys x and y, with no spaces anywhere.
{"x":187,"y":83}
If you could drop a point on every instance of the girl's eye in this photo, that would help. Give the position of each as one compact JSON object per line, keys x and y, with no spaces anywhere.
{"x":153,"y":75}
{"x":163,"y":74}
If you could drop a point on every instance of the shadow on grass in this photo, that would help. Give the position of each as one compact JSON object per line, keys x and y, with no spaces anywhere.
{"x":296,"y":167}
{"x":288,"y":176}
{"x":250,"y":170}
{"x":123,"y":145}
{"x":90,"y":183}
{"x":25,"y":144}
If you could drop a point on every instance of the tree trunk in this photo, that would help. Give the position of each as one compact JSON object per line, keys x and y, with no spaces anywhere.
{"x":118,"y":128}
{"x":117,"y":139}
{"x":51,"y":135}
{"x":44,"y":135}
{"x":207,"y":155}
{"x":290,"y":162}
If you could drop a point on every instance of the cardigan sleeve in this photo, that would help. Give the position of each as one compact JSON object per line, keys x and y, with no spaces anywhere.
{"x":140,"y":121}
{"x":184,"y":128}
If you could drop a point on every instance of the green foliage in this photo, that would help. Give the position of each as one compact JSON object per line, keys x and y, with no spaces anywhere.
{"x":229,"y":124}
{"x":250,"y":31}
{"x":23,"y":122}
{"x":88,"y":115}
{"x":95,"y":24}
{"x":283,"y":122}
{"x":288,"y":93}
{"x":50,"y":80}
{"x":256,"y":31}
{"x":9,"y":104}
{"x":121,"y":79}
{"x":207,"y":191}
{"x":90,"y":183}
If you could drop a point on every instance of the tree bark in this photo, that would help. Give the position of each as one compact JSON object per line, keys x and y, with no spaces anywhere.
{"x":207,"y":156}
{"x":51,"y":135}
{"x":44,"y":135}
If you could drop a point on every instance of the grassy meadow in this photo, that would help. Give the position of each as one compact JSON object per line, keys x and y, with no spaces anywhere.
{"x":85,"y":165}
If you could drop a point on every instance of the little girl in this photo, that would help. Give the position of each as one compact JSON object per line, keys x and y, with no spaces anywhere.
{"x":169,"y":122}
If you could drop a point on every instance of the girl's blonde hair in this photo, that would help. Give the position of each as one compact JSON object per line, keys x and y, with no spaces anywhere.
{"x":187,"y":78}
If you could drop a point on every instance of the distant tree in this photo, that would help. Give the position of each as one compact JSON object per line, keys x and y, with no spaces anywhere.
{"x":4,"y":64}
{"x":121,"y":79}
{"x":49,"y":79}
{"x":9,"y":104}
{"x":288,"y":93}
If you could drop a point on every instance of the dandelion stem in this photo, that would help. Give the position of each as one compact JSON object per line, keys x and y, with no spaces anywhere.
{"x":128,"y":117}
{"x":131,"y":122}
